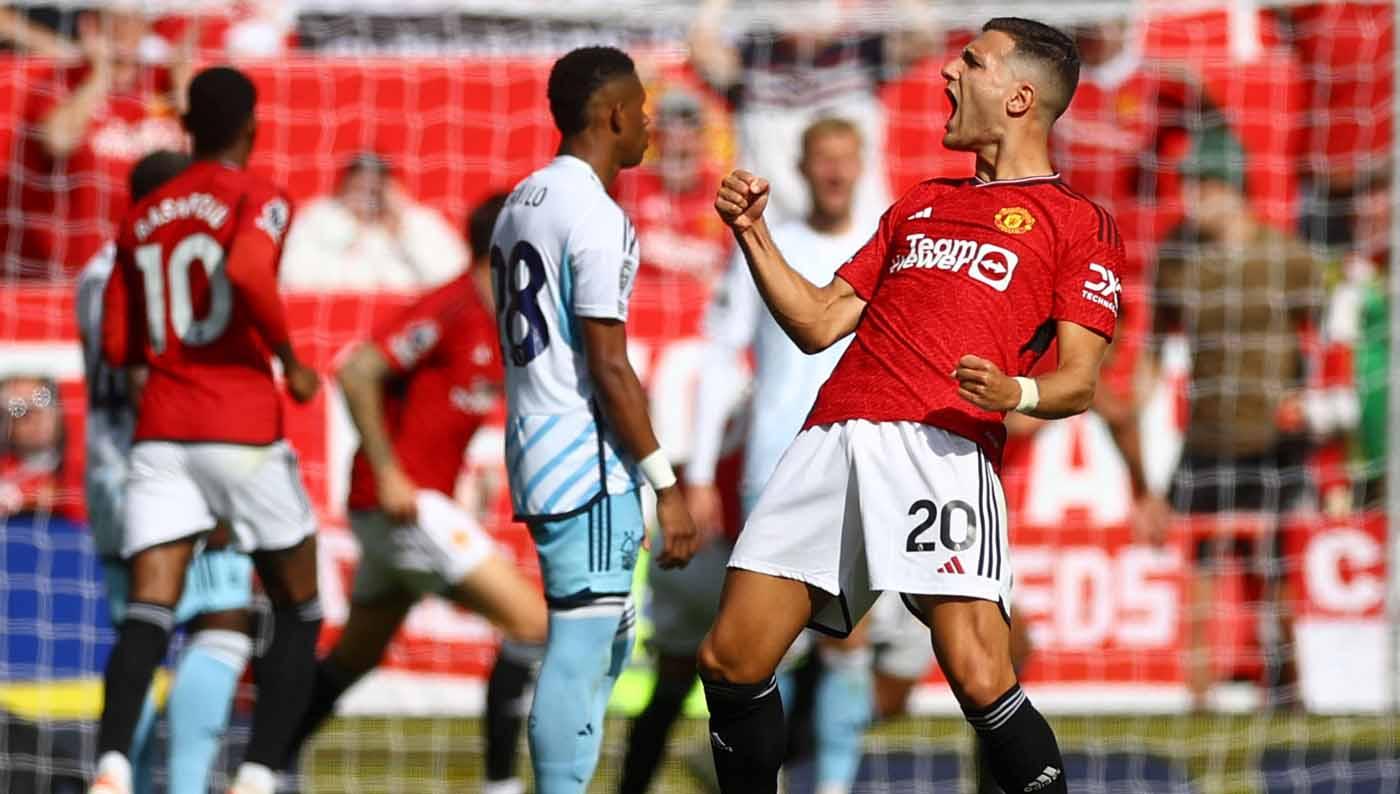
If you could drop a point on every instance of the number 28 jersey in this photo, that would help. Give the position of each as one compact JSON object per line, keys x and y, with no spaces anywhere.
{"x":562,"y":250}
{"x":172,"y":305}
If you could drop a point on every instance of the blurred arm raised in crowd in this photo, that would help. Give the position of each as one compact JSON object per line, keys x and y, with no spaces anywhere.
{"x":32,"y":39}
{"x":916,"y":33}
{"x":712,"y":55}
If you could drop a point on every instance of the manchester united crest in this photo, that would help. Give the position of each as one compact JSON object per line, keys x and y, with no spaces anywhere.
{"x":1014,"y":220}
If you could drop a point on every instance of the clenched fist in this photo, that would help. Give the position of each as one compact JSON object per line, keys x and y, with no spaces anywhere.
{"x":983,"y":384}
{"x":742,"y":197}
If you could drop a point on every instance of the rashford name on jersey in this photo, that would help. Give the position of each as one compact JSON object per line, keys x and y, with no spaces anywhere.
{"x":171,"y":303}
{"x":963,"y":266}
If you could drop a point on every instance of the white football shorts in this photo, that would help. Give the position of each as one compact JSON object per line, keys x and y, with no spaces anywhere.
{"x":175,"y":490}
{"x":858,"y":508}
{"x":428,"y":557}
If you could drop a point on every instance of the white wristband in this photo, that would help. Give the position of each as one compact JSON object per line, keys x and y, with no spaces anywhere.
{"x":1030,"y":395}
{"x":657,"y":469}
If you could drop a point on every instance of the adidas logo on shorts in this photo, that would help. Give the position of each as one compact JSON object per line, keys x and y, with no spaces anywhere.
{"x":952,"y":566}
{"x":1050,"y":775}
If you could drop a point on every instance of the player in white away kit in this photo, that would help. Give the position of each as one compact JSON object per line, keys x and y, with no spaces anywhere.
{"x":892,"y":484}
{"x":578,"y":438}
{"x":219,"y":583}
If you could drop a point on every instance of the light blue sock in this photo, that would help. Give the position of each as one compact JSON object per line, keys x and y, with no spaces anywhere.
{"x":787,"y":687}
{"x":201,"y":697}
{"x":566,"y":728}
{"x":142,"y":748}
{"x":841,"y":711}
{"x":621,"y":653}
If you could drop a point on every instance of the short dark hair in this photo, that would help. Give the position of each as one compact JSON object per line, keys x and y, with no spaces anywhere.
{"x":576,"y":77}
{"x":154,"y":170}
{"x":481,"y":222}
{"x":1051,"y":49}
{"x":221,"y":101}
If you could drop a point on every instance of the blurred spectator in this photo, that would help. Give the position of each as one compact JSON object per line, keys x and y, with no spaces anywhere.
{"x":1347,"y":53}
{"x":31,"y":444}
{"x":816,"y":64}
{"x":1371,"y":244}
{"x":671,"y":200}
{"x":1243,"y":294}
{"x":1131,"y":117}
{"x":83,"y":126}
{"x":1357,"y":336}
{"x":370,"y":237}
{"x":23,"y":35}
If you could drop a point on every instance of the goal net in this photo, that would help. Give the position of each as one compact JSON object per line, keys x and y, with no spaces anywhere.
{"x":1202,"y":563}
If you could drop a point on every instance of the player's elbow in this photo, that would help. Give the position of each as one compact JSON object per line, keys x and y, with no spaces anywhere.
{"x":1080,"y":396}
{"x":813,"y":338}
{"x":810,"y":344}
{"x":361,"y":368}
{"x":610,"y":371}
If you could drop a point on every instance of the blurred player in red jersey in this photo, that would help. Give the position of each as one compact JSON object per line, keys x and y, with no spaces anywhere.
{"x":892,"y":485}
{"x":417,"y":392}
{"x":684,"y":246}
{"x":194,"y":298}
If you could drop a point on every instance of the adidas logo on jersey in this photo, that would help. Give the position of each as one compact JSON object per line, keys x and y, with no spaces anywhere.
{"x":1105,"y":289}
{"x":926,"y":212}
{"x":952,"y":566}
{"x":986,"y":263}
{"x":1045,"y":778}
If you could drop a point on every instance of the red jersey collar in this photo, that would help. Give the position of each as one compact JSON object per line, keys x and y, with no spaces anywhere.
{"x":978,"y":181}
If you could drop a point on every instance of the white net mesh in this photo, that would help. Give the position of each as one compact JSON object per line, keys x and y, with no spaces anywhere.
{"x":1255,"y":374}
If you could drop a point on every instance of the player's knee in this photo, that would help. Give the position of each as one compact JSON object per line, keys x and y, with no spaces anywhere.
{"x":978,"y":676}
{"x":289,"y":575}
{"x":528,"y":626}
{"x":158,"y":574}
{"x":725,"y":662}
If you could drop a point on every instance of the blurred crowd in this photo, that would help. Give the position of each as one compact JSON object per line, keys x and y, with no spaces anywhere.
{"x":1245,"y":157}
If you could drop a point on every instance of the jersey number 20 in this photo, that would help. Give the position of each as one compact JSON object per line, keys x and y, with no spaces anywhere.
{"x":198,"y":247}
{"x":519,"y":279}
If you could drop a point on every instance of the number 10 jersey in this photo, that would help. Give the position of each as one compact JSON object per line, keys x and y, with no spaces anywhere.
{"x":562,"y":251}
{"x":204,"y":332}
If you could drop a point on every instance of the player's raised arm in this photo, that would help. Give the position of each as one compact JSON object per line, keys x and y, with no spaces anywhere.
{"x":813,"y":317}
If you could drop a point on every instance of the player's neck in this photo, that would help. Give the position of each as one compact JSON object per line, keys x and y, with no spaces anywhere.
{"x":1014,"y":159}
{"x":599,"y":158}
{"x":234,"y":156}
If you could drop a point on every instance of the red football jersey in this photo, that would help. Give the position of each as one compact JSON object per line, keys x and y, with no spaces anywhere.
{"x":202,"y":314}
{"x":448,"y":379}
{"x":960,"y":266}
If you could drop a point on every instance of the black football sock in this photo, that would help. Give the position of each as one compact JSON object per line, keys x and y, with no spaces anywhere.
{"x":747,"y":735}
{"x":646,"y":742}
{"x":504,"y":715}
{"x":142,"y":640}
{"x":1019,"y":746}
{"x":331,"y":682}
{"x":285,"y":677}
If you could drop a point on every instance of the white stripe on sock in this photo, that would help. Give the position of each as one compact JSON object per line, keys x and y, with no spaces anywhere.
{"x":231,"y":648}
